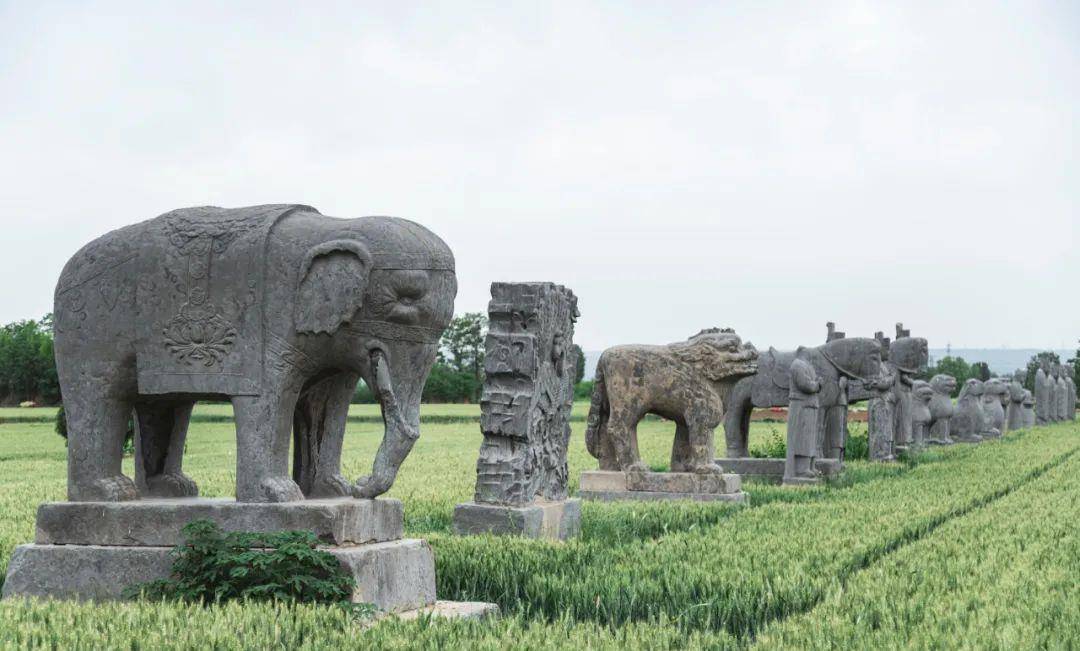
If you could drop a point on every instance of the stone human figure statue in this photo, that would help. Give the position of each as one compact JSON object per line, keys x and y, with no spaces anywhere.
{"x":1061,"y":394}
{"x":881,"y":419}
{"x":942,"y":409}
{"x":1014,"y":411}
{"x":921,"y":395}
{"x":994,"y":413}
{"x":802,"y":423}
{"x":969,"y":422}
{"x":1043,"y":398}
{"x":907,"y":358}
{"x":1029,"y":409}
{"x":1070,"y":391}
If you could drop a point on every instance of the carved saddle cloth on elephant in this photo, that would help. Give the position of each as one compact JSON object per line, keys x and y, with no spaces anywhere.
{"x":199,"y":300}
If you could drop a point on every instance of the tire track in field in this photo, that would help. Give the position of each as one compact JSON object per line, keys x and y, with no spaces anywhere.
{"x":914,"y":535}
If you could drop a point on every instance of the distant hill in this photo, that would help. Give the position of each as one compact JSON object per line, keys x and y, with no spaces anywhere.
{"x":1000,"y":360}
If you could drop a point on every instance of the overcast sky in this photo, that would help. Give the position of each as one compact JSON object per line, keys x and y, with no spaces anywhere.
{"x":765,"y":166}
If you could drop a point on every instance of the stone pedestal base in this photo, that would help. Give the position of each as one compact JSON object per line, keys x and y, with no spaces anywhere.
{"x":940,"y":441}
{"x":801,"y":481}
{"x":94,"y":550}
{"x":549,"y":520}
{"x":966,"y":438}
{"x":772,"y":470}
{"x":608,"y":485}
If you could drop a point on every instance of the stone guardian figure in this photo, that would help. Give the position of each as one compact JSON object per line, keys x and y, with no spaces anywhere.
{"x":921,"y":394}
{"x":1043,"y":398}
{"x":1061,"y":394}
{"x":969,"y":422}
{"x":1070,"y":391}
{"x":802,"y":423}
{"x":993,"y":412}
{"x":1029,"y":409}
{"x":881,"y":411}
{"x":1014,"y":412}
{"x":942,"y":409}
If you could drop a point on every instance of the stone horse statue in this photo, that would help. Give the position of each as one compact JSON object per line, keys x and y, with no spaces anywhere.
{"x":838,"y":362}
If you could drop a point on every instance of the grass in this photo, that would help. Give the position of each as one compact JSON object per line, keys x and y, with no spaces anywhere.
{"x":937,"y":550}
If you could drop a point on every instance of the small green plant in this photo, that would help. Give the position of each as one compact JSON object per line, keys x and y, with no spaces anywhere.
{"x":774,"y":447}
{"x":212,"y":566}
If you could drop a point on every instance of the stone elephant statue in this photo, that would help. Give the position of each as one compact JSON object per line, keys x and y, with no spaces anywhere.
{"x":838,"y":362}
{"x":279,"y":310}
{"x":686,"y":382}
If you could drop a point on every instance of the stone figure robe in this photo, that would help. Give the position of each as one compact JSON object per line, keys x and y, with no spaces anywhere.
{"x":1014,"y":413}
{"x":1061,"y":399}
{"x":1043,"y":398}
{"x":802,"y":423}
{"x":1029,"y":409}
{"x":881,"y":423}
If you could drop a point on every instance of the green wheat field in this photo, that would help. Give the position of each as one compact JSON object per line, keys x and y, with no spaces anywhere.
{"x":966,"y":547}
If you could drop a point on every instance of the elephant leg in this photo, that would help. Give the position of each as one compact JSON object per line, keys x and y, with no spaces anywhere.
{"x":608,"y":461}
{"x":160,"y":434}
{"x":681,"y":453}
{"x":263,"y":429}
{"x":97,"y":422}
{"x":319,"y":431}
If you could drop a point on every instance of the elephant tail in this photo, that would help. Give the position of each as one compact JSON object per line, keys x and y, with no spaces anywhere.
{"x":599,"y":409}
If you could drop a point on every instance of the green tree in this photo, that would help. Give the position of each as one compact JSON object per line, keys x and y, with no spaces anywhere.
{"x":27,"y":365}
{"x":1033,"y":367}
{"x":579,"y":371}
{"x":954,"y":366}
{"x":462,"y":348}
{"x":981,"y":371}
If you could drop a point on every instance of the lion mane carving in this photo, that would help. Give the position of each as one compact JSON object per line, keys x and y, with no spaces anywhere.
{"x":687,"y":382}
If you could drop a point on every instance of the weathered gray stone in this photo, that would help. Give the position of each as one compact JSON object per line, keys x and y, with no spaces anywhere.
{"x":802,"y":422}
{"x":1043,"y":395}
{"x":609,"y":485}
{"x":1014,"y":410}
{"x":772,"y":470}
{"x":1070,"y":391}
{"x":921,"y":394}
{"x":993,"y":413}
{"x":881,"y":409}
{"x":685,"y":382}
{"x":942,"y":409}
{"x":1060,"y":394}
{"x":908,"y":357}
{"x":1029,"y":409}
{"x":525,"y":415}
{"x":397,"y":575}
{"x":969,"y":422}
{"x":276,"y":308}
{"x":556,"y":520}
{"x":841,"y":364}
{"x":158,"y":522}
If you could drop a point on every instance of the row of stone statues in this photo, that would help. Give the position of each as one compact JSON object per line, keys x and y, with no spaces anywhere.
{"x":1055,"y":393}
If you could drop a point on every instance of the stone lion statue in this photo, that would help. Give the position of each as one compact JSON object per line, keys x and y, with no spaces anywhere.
{"x":687,"y":382}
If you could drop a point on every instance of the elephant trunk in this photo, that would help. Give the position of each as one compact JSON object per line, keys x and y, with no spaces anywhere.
{"x":401,"y":417}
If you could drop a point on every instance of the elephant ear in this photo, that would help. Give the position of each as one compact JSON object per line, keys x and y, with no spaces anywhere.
{"x":333,"y":280}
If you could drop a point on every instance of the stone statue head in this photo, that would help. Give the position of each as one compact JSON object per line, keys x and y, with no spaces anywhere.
{"x":1068,"y":371}
{"x":973,"y":388}
{"x":1016,"y":391}
{"x":1029,"y":398}
{"x":922,"y":390}
{"x":1044,"y":364}
{"x":994,"y":388}
{"x":719,"y":354}
{"x":1055,"y":370}
{"x":909,"y":354}
{"x":944,"y":384}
